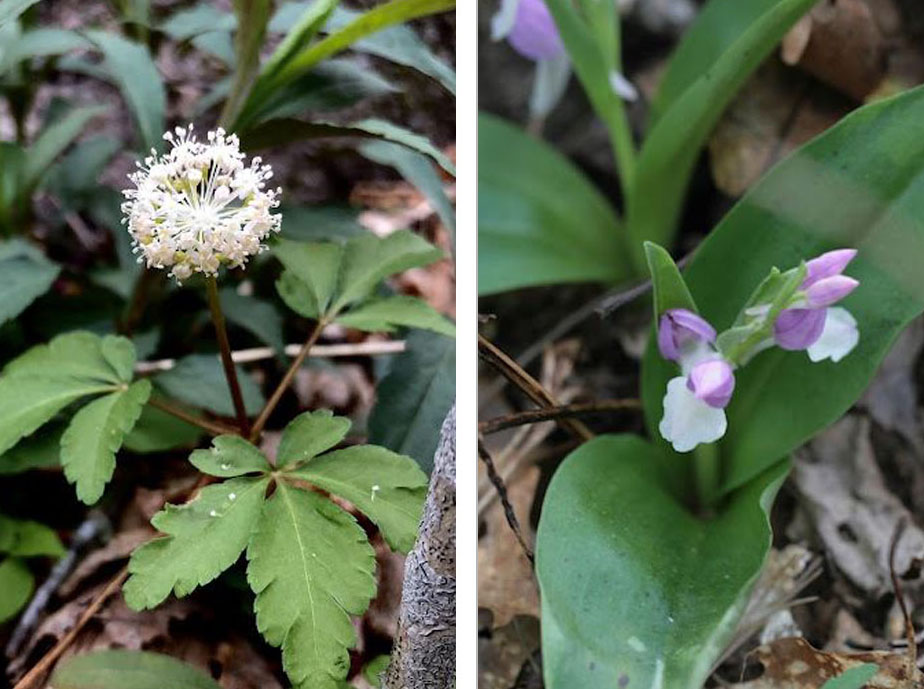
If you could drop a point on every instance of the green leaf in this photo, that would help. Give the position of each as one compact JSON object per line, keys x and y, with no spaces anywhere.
{"x":674,"y":144}
{"x":202,"y":539}
{"x":230,"y":456}
{"x":41,"y":42}
{"x":670,"y":291}
{"x":156,"y":431}
{"x":52,"y":142}
{"x":413,"y":399}
{"x":24,"y":538}
{"x":90,"y":443}
{"x":654,"y":597}
{"x":373,"y":670}
{"x":255,"y":315}
{"x":312,"y":18}
{"x":859,"y":185}
{"x":367,"y":260}
{"x":121,"y":669}
{"x":389,"y":313}
{"x":311,"y":567}
{"x":131,"y":67}
{"x":310,"y":434}
{"x":417,"y":169}
{"x":199,"y":19}
{"x":315,"y":266}
{"x":199,"y":380}
{"x":316,"y":223}
{"x":119,"y":353}
{"x":41,"y":451}
{"x":25,"y":275}
{"x":76,"y":354}
{"x":853,"y":678}
{"x":16,"y":585}
{"x":11,"y":9}
{"x":387,"y":487}
{"x":540,"y":221}
{"x":252,"y":18}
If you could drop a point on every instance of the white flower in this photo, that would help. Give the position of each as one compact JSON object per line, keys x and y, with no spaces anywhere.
{"x":689,"y":421}
{"x":199,"y":206}
{"x":839,"y":337}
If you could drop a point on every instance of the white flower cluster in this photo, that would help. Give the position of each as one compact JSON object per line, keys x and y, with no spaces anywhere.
{"x":199,"y":206}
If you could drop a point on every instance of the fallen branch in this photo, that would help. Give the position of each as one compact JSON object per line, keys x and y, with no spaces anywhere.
{"x":554,"y":413}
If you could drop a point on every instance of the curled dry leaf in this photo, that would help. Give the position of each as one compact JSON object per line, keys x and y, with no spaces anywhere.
{"x":793,"y":664}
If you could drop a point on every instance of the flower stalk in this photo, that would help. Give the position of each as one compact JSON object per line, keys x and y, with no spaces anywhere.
{"x":218,"y":319}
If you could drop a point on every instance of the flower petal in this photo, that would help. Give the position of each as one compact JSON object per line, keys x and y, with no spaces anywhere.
{"x":797,"y":329}
{"x":826,"y":265}
{"x":839,"y":337}
{"x":534,"y":34}
{"x":713,"y":382}
{"x":689,"y":421}
{"x":678,"y":329}
{"x":828,"y":291}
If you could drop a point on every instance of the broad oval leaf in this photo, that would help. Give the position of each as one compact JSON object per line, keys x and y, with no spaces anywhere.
{"x":25,"y":275}
{"x":311,"y":567}
{"x":230,"y":455}
{"x":16,"y":584}
{"x":211,"y":388}
{"x":540,"y":221}
{"x":25,"y":538}
{"x":121,"y":669}
{"x":387,"y":487}
{"x":635,"y":590}
{"x":310,"y":434}
{"x":202,"y":539}
{"x":95,"y":434}
{"x":859,"y":185}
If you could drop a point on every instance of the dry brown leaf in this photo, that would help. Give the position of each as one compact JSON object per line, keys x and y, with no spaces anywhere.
{"x":794,"y":664}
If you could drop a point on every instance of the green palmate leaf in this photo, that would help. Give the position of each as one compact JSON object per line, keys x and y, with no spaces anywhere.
{"x":635,"y":590}
{"x":52,"y":142}
{"x":202,"y":539}
{"x":670,"y":291}
{"x":853,"y":678}
{"x":417,"y":169}
{"x":41,"y":451}
{"x":16,"y":584}
{"x":413,"y":399}
{"x":90,"y":443}
{"x":211,"y":388}
{"x":259,"y":317}
{"x":120,"y":669}
{"x":25,"y":275}
{"x":310,"y":434}
{"x":540,"y":221}
{"x":73,"y":355}
{"x":24,"y":538}
{"x":229,"y":456}
{"x":675,"y":142}
{"x":389,"y":313}
{"x":859,"y":185}
{"x":368,"y":260}
{"x":387,"y":487}
{"x":316,"y":223}
{"x":311,"y":567}
{"x":156,"y":431}
{"x":312,"y":271}
{"x":132,"y":69}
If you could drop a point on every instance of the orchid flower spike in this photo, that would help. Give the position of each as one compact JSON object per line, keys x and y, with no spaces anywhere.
{"x":200,"y":206}
{"x":814,"y":324}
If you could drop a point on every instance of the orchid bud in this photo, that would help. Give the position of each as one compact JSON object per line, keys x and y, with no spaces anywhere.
{"x":713,"y":382}
{"x":797,"y":329}
{"x":828,"y":291}
{"x":680,"y":327}
{"x":827,"y":265}
{"x":534,"y":34}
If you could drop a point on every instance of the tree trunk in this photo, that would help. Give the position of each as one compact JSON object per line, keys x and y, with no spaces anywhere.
{"x":424,"y":656}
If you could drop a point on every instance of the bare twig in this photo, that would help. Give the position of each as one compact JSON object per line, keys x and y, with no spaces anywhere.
{"x":529,"y":385}
{"x":249,"y":356}
{"x":501,"y":489}
{"x":44,"y":665}
{"x":286,"y":380}
{"x":554,"y":413}
{"x":213,"y":427}
{"x":899,"y":596}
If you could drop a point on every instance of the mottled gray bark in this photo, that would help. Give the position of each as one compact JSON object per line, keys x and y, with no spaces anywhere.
{"x":424,"y":656}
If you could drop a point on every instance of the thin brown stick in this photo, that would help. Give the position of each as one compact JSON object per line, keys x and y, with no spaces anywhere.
{"x":501,"y":489}
{"x":218,"y":318}
{"x":286,"y":381}
{"x":213,"y":427}
{"x":900,"y":597}
{"x":529,"y":385}
{"x":44,"y":665}
{"x":554,"y":413}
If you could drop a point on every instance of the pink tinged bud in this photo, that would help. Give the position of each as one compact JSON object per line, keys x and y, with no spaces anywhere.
{"x":534,"y":34}
{"x":679,"y":327}
{"x":827,"y":265}
{"x":829,"y":291}
{"x":713,"y":382}
{"x":797,"y":329}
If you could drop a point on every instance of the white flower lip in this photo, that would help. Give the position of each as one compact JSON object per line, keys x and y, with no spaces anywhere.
{"x":200,"y":206}
{"x":839,"y":337}
{"x":689,"y":421}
